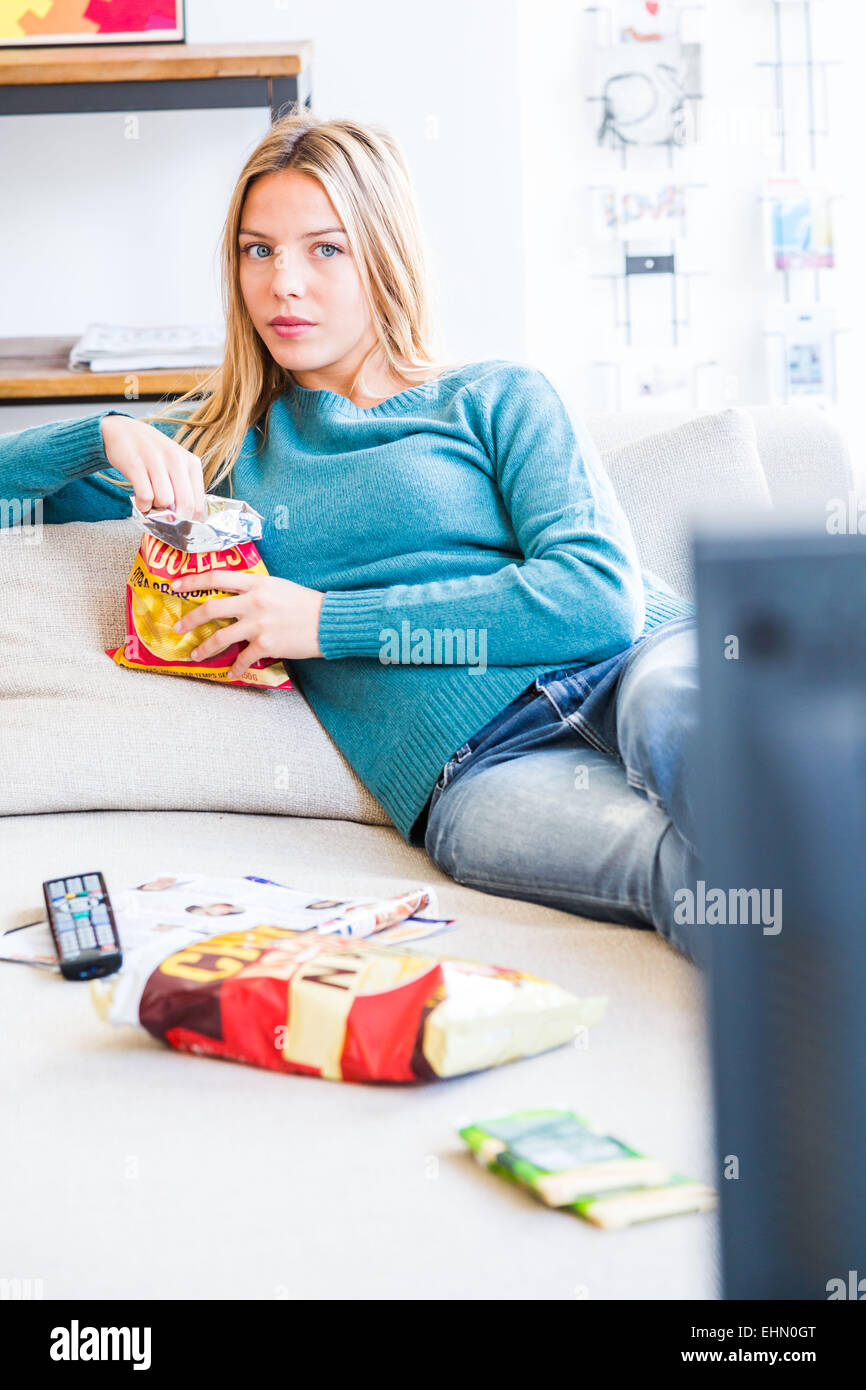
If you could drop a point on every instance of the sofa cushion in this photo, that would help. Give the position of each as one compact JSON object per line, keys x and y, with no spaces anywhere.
{"x":318,"y":1188}
{"x":78,"y":732}
{"x":663,"y":479}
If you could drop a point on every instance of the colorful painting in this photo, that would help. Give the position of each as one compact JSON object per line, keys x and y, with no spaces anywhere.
{"x":640,"y":206}
{"x":24,"y":23}
{"x":800,"y":228}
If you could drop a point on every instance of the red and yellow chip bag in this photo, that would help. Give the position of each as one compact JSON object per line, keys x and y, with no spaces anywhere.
{"x":152,"y":609}
{"x":341,"y":1008}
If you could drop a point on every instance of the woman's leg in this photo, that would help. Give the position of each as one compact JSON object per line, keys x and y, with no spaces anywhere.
{"x":562,"y":826}
{"x":650,"y":719}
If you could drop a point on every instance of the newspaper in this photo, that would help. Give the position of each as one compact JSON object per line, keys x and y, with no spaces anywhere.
{"x":106,"y":347}
{"x":171,"y":908}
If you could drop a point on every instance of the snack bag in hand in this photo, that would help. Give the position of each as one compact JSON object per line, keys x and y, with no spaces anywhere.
{"x":171,"y":547}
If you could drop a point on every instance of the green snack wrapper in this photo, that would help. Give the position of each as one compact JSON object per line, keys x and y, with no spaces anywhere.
{"x":566,"y":1162}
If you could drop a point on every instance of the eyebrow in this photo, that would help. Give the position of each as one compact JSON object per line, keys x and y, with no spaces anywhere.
{"x":247,"y":231}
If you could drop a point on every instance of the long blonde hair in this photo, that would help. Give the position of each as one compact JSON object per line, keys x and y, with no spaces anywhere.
{"x":364,"y":172}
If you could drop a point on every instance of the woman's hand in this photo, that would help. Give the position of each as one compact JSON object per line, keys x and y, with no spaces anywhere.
{"x":278,"y":619}
{"x":163,"y":473}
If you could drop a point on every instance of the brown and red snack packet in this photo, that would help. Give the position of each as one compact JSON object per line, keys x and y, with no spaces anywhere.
{"x":343,"y":1009}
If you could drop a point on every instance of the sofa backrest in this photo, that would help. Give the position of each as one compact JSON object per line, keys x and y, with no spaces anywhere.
{"x":803,"y":453}
{"x":79,"y":733}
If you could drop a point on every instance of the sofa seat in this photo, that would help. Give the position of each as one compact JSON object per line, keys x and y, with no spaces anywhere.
{"x":140,"y":1172}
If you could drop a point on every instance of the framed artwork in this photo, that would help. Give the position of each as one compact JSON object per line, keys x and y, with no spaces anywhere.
{"x":799,"y":226}
{"x":802,"y":357}
{"x":640,"y":205}
{"x":33,"y":23}
{"x":647,"y":93}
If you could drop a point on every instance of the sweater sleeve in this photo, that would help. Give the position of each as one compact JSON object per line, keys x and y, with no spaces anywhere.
{"x":575,"y":596}
{"x":39,"y":461}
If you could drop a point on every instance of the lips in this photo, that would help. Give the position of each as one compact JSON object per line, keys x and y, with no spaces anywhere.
{"x":291,"y":323}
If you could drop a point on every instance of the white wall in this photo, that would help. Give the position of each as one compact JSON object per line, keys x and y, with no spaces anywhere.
{"x":96,"y":227}
{"x":570,"y":321}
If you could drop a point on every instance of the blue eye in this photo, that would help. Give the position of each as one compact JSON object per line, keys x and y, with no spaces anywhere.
{"x":260,"y":246}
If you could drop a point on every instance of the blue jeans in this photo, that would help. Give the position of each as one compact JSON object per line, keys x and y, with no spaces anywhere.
{"x":576,"y":795}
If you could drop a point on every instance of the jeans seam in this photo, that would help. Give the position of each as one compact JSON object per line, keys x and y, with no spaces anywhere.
{"x":566,"y":891}
{"x":580,"y":725}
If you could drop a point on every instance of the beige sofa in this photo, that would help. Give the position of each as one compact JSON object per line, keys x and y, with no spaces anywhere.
{"x":129,"y":1170}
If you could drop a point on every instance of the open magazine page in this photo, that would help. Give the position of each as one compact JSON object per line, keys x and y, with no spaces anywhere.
{"x":163,"y":912}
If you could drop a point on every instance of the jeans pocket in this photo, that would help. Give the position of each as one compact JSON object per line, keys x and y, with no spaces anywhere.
{"x":451,"y":766}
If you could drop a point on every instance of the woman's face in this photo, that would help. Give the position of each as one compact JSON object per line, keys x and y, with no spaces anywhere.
{"x":295,"y":262}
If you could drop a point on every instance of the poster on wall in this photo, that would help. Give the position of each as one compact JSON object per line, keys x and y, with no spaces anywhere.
{"x":799,"y":226}
{"x":29,"y":23}
{"x":801,"y":345}
{"x":648,"y":93}
{"x":648,"y":21}
{"x":639,"y":205}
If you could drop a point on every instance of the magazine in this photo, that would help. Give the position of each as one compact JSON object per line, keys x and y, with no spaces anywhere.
{"x":648,"y":21}
{"x":178,"y":907}
{"x":799,"y":227}
{"x":802,"y":358}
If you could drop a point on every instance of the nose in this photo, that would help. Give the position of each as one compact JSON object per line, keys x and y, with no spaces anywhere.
{"x":287,"y":277}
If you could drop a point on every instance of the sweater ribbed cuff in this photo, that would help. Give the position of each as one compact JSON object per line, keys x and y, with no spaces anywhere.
{"x":78,"y":447}
{"x":349,"y":623}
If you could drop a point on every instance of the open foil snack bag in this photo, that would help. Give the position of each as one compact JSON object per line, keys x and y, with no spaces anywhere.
{"x":172,"y":546}
{"x":338,"y":1008}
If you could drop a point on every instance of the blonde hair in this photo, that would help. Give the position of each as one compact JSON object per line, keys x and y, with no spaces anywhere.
{"x":364,"y":172}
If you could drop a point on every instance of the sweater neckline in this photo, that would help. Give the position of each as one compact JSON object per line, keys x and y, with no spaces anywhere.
{"x":322,"y":398}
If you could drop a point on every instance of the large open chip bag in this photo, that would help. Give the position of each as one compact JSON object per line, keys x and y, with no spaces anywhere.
{"x":339,"y":1008}
{"x":172,"y":546}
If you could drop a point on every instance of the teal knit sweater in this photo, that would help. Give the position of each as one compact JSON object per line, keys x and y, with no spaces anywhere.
{"x":464,"y":533}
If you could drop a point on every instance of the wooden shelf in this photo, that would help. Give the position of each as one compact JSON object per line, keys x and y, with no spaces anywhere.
{"x":133,"y":77}
{"x":153,"y":77}
{"x":35,"y":370}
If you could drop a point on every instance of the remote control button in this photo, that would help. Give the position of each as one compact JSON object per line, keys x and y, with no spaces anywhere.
{"x":73,"y":885}
{"x":104,"y":934}
{"x":65,"y":927}
{"x":56,"y":890}
{"x":99,"y":915}
{"x":92,"y":884}
{"x":86,"y":938}
{"x":70,"y":951}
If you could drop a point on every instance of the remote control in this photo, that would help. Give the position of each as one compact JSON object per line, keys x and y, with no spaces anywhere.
{"x":83,"y":926}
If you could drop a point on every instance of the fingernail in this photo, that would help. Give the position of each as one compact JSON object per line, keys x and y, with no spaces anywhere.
{"x":194,"y":653}
{"x":176,"y":627}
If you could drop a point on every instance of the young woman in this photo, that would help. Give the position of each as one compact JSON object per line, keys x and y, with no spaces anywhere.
{"x":451,"y":576}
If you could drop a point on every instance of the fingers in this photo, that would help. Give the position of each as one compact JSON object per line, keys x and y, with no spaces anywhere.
{"x":207,"y":612}
{"x":198,"y":488}
{"x":252,"y":652}
{"x":218,"y":641}
{"x":162,"y":473}
{"x":238,"y":581}
{"x":160,"y":483}
{"x":142,"y":488}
